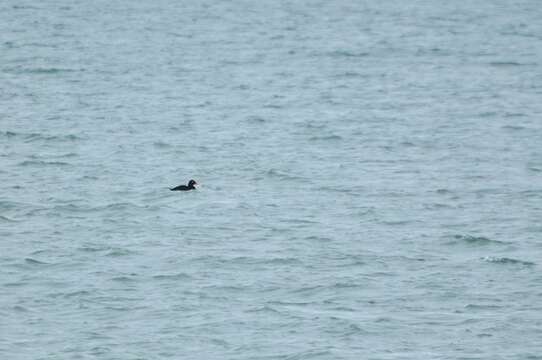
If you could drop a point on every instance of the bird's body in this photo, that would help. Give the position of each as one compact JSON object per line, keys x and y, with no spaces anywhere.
{"x":188,"y":187}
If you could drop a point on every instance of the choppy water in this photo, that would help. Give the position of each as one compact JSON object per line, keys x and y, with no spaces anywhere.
{"x":371,"y":179}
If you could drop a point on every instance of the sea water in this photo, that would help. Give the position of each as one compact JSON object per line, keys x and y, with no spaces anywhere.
{"x":370,"y":171}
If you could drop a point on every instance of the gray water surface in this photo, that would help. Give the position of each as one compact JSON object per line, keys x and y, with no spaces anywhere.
{"x":371,"y":179}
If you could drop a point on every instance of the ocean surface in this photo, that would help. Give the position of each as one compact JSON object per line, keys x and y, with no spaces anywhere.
{"x":371,"y":179}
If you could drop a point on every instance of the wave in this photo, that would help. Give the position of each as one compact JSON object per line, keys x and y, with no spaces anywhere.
{"x":482,"y":307}
{"x":350,"y":75}
{"x":298,"y":221}
{"x":313,"y":125}
{"x":397,"y":222}
{"x":77,"y":293}
{"x":41,"y":71}
{"x":347,"y":54}
{"x":179,"y":276}
{"x":118,"y":206}
{"x":59,"y":156}
{"x":326,"y":138}
{"x":318,"y":238}
{"x":42,"y":163}
{"x":291,"y":303}
{"x":20,"y":308}
{"x":120,"y":252}
{"x":531,"y":193}
{"x":475,"y":240}
{"x":76,"y":208}
{"x":282,"y":261}
{"x":123,"y":279}
{"x":255,"y":120}
{"x":8,"y":133}
{"x":438,"y":206}
{"x":232,"y":288}
{"x":263,"y":309}
{"x":514,"y":115}
{"x":24,"y":7}
{"x":483,"y":335}
{"x":161,"y":145}
{"x":68,"y":137}
{"x":34,"y":262}
{"x":274,"y":173}
{"x":249,"y":260}
{"x":9,"y":205}
{"x":6,"y":219}
{"x":507,"y":261}
{"x":272,"y":106}
{"x":30,"y":137}
{"x":513,"y":127}
{"x":507,"y":63}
